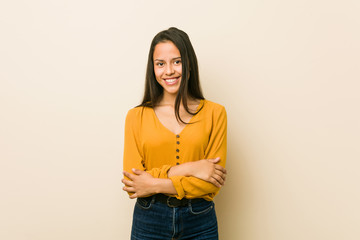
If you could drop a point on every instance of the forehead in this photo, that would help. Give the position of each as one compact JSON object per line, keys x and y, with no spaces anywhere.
{"x":166,"y":50}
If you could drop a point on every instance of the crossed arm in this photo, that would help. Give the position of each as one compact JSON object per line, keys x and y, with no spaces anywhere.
{"x":142,"y":183}
{"x":193,"y":179}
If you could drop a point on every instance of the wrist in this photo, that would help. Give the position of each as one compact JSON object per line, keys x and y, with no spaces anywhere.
{"x":156,"y":186}
{"x":183,"y":169}
{"x":179,"y":170}
{"x":188,"y":169}
{"x":163,"y":185}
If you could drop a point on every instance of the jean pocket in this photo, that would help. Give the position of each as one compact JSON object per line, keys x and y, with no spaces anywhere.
{"x":201,"y":208}
{"x":144,"y":203}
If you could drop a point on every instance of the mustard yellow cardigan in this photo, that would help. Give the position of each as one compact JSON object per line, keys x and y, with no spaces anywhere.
{"x":150,"y":146}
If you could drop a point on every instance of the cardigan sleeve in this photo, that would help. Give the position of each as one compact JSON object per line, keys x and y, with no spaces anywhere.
{"x":192,"y":187}
{"x":133,"y":155}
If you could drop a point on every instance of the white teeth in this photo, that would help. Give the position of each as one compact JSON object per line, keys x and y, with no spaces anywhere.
{"x":170,"y":80}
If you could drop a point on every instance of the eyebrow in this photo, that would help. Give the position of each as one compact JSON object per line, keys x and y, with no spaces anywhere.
{"x":163,"y":60}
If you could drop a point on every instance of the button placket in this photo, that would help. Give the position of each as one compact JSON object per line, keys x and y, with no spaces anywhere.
{"x":177,"y":148}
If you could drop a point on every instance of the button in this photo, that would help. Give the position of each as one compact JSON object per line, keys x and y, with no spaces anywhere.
{"x":177,"y":150}
{"x":177,"y":142}
{"x":178,"y":136}
{"x":177,"y":157}
{"x":177,"y":163}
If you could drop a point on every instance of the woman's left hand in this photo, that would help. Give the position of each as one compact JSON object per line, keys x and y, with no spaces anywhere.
{"x":140,"y":184}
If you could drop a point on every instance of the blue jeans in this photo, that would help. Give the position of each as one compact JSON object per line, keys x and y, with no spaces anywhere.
{"x":157,"y":221}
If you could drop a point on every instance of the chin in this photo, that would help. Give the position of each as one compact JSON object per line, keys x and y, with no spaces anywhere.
{"x":171,"y":92}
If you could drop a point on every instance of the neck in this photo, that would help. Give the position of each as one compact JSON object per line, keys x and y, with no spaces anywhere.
{"x":168,"y":99}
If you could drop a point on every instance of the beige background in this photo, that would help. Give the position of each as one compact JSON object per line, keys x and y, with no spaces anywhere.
{"x":286,"y":71}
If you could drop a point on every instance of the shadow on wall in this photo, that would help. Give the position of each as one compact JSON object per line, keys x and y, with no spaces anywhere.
{"x":230,"y":201}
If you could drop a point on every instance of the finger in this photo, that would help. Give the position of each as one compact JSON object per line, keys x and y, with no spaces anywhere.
{"x":136,"y":171}
{"x":129,"y":189}
{"x":128,"y":175}
{"x":133,"y":196}
{"x":215,"y":182}
{"x":127,"y":182}
{"x":214,"y":160}
{"x":220,"y":173}
{"x":220,"y":168}
{"x":219,"y":179}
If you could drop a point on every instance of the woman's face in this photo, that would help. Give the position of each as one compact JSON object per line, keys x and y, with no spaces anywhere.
{"x":168,"y":67}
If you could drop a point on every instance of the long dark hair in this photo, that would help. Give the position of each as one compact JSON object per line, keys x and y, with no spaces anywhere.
{"x":190,"y":83}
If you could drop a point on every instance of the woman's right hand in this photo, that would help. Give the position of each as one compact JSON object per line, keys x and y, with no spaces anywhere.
{"x":208,"y":170}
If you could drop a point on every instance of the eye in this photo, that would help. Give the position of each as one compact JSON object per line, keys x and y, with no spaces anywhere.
{"x":177,"y":62}
{"x":159,"y":64}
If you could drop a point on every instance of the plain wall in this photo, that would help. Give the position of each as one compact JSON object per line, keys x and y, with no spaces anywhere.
{"x":286,"y":71}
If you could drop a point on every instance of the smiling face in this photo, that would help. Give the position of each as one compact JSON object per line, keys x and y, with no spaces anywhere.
{"x":168,"y":67}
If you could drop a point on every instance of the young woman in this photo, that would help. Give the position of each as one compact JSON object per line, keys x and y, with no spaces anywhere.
{"x":175,"y":147}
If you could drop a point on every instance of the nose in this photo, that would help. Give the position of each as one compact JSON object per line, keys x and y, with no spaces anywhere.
{"x":169,"y":69}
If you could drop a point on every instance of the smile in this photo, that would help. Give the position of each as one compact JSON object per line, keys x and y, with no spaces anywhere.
{"x":171,"y":81}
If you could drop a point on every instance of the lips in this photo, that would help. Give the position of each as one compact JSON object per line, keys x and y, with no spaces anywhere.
{"x":171,"y":81}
